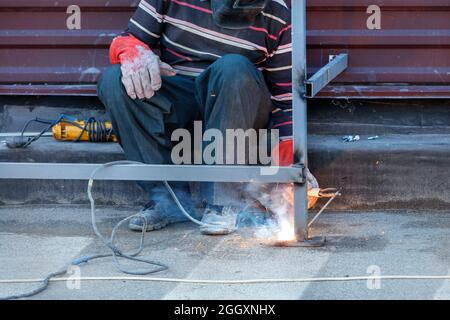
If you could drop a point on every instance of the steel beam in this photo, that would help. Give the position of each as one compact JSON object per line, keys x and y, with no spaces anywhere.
{"x":326,"y":74}
{"x":299,"y":105}
{"x":77,"y":171}
{"x":300,"y":125}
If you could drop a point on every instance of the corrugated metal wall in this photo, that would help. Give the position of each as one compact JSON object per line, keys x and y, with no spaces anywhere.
{"x":412,"y":47}
{"x":36,"y":46}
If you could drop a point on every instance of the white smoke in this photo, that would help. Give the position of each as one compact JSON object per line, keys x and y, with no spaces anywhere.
{"x":275,"y":198}
{"x":278,"y":200}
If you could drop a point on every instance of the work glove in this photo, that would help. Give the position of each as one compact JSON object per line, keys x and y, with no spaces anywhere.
{"x":314,"y":192}
{"x":283,"y":156}
{"x":141,"y":68}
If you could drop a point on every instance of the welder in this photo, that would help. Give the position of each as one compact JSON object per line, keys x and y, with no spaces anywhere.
{"x":224,"y":62}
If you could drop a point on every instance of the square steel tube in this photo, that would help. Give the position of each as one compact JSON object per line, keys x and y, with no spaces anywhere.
{"x":150,"y":172}
{"x":299,"y":111}
{"x":325,"y":75}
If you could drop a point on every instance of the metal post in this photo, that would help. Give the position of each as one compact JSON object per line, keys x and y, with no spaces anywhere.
{"x":300,"y":130}
{"x":299,"y":112}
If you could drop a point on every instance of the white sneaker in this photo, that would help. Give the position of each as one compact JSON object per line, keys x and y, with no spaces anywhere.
{"x":219,"y":222}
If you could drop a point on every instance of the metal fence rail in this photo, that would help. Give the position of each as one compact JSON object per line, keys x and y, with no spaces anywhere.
{"x":136,"y":172}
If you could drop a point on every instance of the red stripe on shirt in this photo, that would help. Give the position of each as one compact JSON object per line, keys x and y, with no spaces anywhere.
{"x":191,"y":6}
{"x":284,"y":29}
{"x":178,"y":55}
{"x":282,"y":124}
{"x":271,"y":36}
{"x":181,"y":3}
{"x":284,"y":84}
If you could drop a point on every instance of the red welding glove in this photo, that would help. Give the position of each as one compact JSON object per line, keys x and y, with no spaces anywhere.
{"x":141,"y":68}
{"x":283,"y":154}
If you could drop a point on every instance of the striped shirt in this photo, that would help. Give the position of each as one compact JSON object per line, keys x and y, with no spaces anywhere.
{"x":189,"y":40}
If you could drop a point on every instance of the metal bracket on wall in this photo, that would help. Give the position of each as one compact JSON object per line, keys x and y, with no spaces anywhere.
{"x":326,"y":74}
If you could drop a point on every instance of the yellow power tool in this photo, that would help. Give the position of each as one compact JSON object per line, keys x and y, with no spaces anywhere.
{"x":81,"y":130}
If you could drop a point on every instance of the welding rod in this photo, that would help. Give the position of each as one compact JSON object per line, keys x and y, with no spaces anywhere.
{"x":338,"y":193}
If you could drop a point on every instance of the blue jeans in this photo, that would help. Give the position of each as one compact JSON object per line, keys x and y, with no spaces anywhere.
{"x":230,"y":94}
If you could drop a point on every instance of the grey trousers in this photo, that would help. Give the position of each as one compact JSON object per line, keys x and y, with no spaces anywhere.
{"x":230,"y":94}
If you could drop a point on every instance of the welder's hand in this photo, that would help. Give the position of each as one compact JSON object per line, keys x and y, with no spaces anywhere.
{"x":282,"y":154}
{"x":313,"y":190}
{"x":141,"y":68}
{"x":279,"y":198}
{"x":141,"y":75}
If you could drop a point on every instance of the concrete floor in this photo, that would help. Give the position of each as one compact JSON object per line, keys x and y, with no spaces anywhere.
{"x":37,"y":240}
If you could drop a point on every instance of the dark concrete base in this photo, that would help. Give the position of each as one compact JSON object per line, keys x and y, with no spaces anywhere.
{"x":393,"y":172}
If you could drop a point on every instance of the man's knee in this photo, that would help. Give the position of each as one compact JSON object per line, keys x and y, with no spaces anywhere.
{"x":234,"y":61}
{"x":238,"y":70}
{"x":110,"y":83}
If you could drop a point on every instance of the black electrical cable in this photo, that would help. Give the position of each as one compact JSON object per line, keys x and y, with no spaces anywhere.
{"x":84,"y":129}
{"x":21,"y":143}
{"x":111,"y":244}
